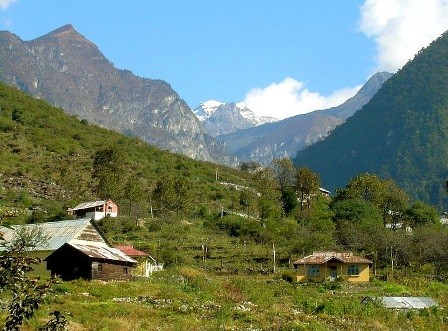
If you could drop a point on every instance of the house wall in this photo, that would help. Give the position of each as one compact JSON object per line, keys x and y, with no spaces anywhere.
{"x":110,"y":209}
{"x":364,"y":274}
{"x":40,"y":269}
{"x":341,"y":269}
{"x":110,"y":271}
{"x":69,"y":264}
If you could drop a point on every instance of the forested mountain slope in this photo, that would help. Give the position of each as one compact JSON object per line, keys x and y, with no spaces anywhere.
{"x":401,"y":133}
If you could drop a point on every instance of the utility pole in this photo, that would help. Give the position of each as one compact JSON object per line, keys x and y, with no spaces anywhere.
{"x":150,"y":206}
{"x":273,"y":250}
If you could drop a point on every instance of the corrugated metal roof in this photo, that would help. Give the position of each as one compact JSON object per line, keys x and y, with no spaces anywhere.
{"x":403,"y":302}
{"x":56,"y":233}
{"x":90,"y":204}
{"x":98,"y":250}
{"x":322,"y":257}
{"x":129,"y":250}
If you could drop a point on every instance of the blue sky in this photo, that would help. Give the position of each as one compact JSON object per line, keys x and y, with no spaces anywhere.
{"x":280,"y":57}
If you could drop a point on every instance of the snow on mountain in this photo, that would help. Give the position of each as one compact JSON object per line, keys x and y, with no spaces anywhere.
{"x":250,"y":115}
{"x":206,"y":109}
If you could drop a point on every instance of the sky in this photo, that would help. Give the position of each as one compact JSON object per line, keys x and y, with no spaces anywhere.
{"x":281,"y":58}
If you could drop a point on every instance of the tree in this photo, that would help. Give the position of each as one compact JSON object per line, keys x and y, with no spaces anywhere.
{"x":109,"y":170}
{"x":289,"y":200}
{"x":172,"y":193}
{"x":421,"y":214}
{"x":246,"y":200}
{"x":307,"y":184}
{"x":285,"y":172}
{"x":359,"y":224}
{"x":269,"y":195}
{"x":366,"y":187}
{"x":250,"y":166}
{"x":394,"y":202}
{"x":384,"y":194}
{"x":133,"y":191}
{"x":430,"y":246}
{"x":26,"y":293}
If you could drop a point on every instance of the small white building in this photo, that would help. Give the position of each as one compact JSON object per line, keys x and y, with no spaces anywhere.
{"x":95,"y":210}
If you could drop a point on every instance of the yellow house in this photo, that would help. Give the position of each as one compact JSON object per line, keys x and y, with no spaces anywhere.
{"x":322,"y":266}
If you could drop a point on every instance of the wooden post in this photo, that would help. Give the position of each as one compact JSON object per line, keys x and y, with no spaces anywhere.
{"x":273,"y":250}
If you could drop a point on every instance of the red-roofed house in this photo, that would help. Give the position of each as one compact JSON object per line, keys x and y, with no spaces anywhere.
{"x":94,"y":209}
{"x":146,"y":263}
{"x":322,"y":266}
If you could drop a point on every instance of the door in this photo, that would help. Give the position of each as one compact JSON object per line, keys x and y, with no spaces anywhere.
{"x":333,"y":273}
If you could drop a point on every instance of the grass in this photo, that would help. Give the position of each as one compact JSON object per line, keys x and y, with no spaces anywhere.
{"x":188,"y":298}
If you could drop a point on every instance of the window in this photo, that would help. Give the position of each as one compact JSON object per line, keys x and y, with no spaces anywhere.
{"x":313,"y":271}
{"x":353,"y":270}
{"x":100,"y":267}
{"x":125,"y":271}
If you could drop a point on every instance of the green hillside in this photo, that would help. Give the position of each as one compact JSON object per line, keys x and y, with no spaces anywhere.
{"x":47,"y":161}
{"x":227,"y":238}
{"x":401,"y":133}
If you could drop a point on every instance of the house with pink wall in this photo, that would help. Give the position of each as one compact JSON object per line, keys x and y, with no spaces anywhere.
{"x":95,"y":210}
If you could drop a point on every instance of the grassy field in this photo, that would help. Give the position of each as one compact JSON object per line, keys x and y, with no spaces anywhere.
{"x":189,"y":299}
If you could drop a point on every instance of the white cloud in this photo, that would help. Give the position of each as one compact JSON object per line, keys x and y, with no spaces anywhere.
{"x":4,"y":4}
{"x":401,"y":28}
{"x":290,"y":97}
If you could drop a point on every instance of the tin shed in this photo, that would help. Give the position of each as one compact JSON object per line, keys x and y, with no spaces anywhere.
{"x":402,"y":302}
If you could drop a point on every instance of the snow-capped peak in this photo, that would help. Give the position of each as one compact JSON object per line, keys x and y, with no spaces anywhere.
{"x":250,"y":115}
{"x":206,"y":109}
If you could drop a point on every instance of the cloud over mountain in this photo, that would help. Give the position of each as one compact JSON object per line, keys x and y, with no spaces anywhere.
{"x":401,"y":28}
{"x":5,"y":3}
{"x":291,"y":97}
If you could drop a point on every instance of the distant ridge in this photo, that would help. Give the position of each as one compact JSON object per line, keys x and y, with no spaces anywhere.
{"x":285,"y":138}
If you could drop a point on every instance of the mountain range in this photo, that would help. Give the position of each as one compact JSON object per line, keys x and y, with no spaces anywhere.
{"x":221,"y":118}
{"x":285,"y":138}
{"x":70,"y":72}
{"x":67,"y":70}
{"x":401,"y":133}
{"x":395,"y":127}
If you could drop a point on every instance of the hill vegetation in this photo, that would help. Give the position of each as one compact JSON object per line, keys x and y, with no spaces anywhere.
{"x":48,"y":159}
{"x":215,"y":229}
{"x":401,"y":133}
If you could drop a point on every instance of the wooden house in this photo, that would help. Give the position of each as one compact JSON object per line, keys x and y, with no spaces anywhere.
{"x":73,"y":249}
{"x":90,"y":260}
{"x":95,"y":210}
{"x":329,"y":266}
{"x":54,"y":235}
{"x":146,"y":263}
